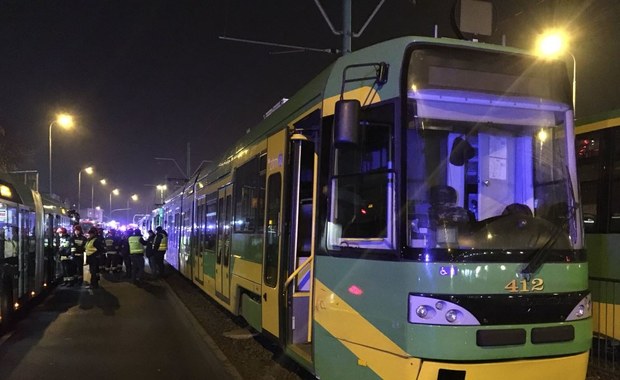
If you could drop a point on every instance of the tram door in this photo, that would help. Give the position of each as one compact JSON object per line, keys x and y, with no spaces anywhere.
{"x":298,"y":285}
{"x":224,"y":235}
{"x":276,"y":146}
{"x":196,"y":244}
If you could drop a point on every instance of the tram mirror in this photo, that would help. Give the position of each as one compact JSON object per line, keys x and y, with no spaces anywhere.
{"x":346,"y":122}
{"x":461,"y":152}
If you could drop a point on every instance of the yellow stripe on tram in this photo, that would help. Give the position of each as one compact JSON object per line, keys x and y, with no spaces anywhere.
{"x":377,"y":351}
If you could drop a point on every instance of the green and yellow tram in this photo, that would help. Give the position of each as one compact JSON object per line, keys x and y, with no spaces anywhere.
{"x":411,"y":213}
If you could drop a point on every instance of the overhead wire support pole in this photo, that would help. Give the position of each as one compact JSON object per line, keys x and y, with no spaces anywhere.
{"x":185,"y":175}
{"x":347,"y":32}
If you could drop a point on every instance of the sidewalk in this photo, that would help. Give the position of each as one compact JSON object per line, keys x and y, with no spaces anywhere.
{"x":119,"y":331}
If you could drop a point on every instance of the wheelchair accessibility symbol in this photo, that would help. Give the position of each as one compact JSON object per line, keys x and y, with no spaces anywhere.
{"x":448,"y":271}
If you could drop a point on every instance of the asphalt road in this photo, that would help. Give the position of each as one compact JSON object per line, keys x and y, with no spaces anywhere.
{"x":120,"y":331}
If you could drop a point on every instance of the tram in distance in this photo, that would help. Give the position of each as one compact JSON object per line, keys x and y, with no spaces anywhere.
{"x":598,"y":166}
{"x":28,"y":222}
{"x":411,"y":213}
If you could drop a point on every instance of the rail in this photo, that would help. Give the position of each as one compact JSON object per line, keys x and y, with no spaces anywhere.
{"x":605,"y":352}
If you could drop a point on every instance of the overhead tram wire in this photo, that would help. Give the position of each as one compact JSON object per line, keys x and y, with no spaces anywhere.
{"x":297,"y":48}
{"x":346,"y":32}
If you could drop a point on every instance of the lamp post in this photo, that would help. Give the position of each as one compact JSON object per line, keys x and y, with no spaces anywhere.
{"x":161,"y":189}
{"x":89,"y":171}
{"x":92,"y":191}
{"x":552,"y":44}
{"x":65,"y":121}
{"x":115,"y":192}
{"x":134,"y":197}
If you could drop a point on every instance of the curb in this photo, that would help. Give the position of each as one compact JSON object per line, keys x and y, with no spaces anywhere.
{"x":201,"y":332}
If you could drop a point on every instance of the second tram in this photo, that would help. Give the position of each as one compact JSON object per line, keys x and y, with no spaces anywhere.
{"x":598,"y":165}
{"x":28,"y":224}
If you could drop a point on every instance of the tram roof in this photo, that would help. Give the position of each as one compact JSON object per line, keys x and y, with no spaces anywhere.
{"x":328,"y":84}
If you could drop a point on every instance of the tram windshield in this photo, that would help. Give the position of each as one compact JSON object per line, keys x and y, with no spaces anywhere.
{"x":487,"y":157}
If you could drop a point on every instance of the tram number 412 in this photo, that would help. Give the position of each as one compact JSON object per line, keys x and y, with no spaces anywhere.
{"x":536,"y":285}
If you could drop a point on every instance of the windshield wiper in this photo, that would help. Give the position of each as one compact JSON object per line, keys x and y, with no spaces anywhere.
{"x":540,"y":256}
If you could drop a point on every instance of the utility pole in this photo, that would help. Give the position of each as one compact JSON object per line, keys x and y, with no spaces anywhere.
{"x":347,"y":33}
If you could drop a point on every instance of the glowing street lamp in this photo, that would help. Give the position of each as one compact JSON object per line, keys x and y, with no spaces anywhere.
{"x":89,"y":170}
{"x":65,"y":121}
{"x":553,"y":44}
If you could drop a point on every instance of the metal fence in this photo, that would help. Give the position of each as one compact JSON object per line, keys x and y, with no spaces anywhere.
{"x":605,"y":352}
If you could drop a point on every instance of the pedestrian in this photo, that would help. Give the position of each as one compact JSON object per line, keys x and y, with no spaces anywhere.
{"x":102,"y":258}
{"x":66,"y":258}
{"x":124,"y":247}
{"x":94,"y":249}
{"x":77,"y":244}
{"x":136,"y":252}
{"x":112,"y":247}
{"x":159,"y":247}
{"x":150,"y":253}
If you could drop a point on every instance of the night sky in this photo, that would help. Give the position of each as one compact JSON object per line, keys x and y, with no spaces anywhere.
{"x":145,"y":78}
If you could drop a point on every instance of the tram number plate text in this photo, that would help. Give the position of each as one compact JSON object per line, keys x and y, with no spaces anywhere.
{"x":515,"y":286}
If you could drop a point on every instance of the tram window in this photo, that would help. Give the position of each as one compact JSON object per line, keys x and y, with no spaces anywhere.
{"x":362,"y":186}
{"x":10,"y":231}
{"x":248,"y":196}
{"x":452,"y":201}
{"x":211,"y":221}
{"x":272,"y":238}
{"x":614,"y":213}
{"x":589,"y":171}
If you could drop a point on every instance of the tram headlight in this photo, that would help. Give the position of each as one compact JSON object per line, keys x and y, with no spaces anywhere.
{"x":452,"y":315}
{"x":433,"y":311}
{"x":425,"y":312}
{"x":582,"y":310}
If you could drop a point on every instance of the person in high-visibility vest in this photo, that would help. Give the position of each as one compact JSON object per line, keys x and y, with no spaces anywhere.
{"x":94,"y":249}
{"x":159,"y":249}
{"x":136,"y":252}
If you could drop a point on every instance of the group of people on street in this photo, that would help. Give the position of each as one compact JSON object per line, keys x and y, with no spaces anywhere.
{"x":108,"y":254}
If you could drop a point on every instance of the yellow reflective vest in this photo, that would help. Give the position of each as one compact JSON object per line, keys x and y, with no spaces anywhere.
{"x":163,"y":245}
{"x":90,"y":248}
{"x":135,"y":247}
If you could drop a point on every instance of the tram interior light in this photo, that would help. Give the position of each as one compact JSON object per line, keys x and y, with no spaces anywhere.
{"x":542,"y":135}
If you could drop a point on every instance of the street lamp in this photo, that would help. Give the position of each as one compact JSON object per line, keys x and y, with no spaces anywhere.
{"x":92,"y":191}
{"x":134,"y":197}
{"x":89,"y":170}
{"x":552,"y":44}
{"x":66,"y":121}
{"x":115,"y":192}
{"x":161,"y":189}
